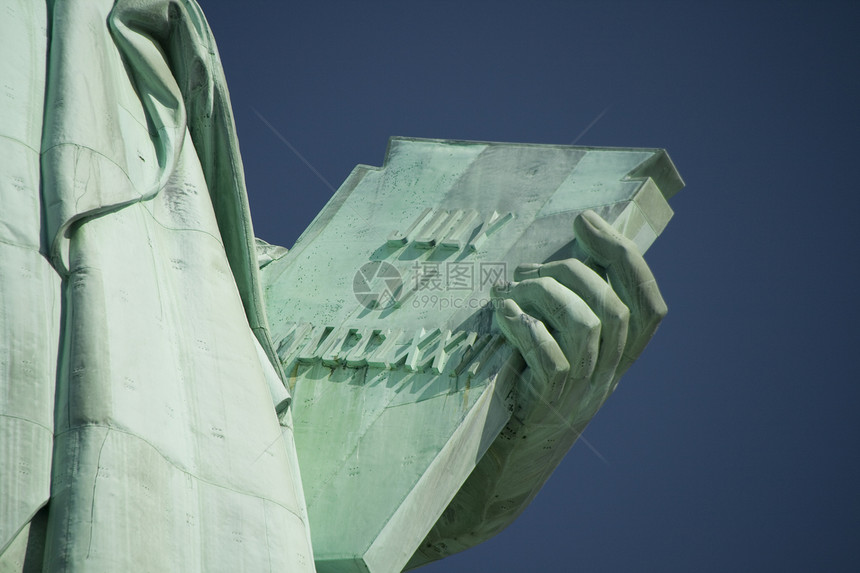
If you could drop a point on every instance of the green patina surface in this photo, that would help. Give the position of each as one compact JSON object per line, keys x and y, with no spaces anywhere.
{"x":147,"y":366}
{"x":393,"y":369}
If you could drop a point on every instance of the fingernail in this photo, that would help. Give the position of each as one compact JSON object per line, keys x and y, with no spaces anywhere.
{"x":498,"y":289}
{"x":591,"y":219}
{"x":590,"y":224}
{"x":507,"y":309}
{"x":527,"y":271}
{"x":501,"y":289}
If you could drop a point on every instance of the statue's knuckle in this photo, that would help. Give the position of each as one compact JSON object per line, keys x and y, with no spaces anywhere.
{"x":658,"y":310}
{"x":617,"y":315}
{"x":591,"y":324}
{"x":571,"y":267}
{"x":544,"y":283}
{"x":558,"y":370}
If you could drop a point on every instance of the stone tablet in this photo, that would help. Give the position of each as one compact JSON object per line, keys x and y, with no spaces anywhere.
{"x":381,"y":316}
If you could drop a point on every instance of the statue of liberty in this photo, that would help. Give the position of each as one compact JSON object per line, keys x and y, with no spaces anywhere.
{"x":146,"y":421}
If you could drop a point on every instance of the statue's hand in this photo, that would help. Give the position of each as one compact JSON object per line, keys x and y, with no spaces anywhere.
{"x":577,"y":331}
{"x":579,"y":327}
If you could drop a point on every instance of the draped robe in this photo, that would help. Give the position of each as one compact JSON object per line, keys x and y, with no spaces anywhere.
{"x":144,"y":424}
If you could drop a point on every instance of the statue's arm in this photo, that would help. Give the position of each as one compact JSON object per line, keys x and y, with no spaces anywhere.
{"x":577,"y":330}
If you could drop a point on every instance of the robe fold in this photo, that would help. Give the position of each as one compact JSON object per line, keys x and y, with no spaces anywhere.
{"x":144,"y":423}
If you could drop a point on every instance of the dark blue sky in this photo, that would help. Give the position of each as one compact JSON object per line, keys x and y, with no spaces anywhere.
{"x":732,"y":445}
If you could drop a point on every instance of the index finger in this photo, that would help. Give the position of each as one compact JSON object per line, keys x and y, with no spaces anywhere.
{"x":630,"y":277}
